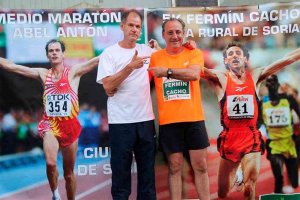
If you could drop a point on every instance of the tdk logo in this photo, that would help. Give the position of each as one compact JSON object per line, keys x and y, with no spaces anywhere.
{"x":240,"y":99}
{"x":56,"y":97}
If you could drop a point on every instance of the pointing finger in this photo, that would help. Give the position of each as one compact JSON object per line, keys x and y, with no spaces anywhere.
{"x":144,"y":57}
{"x":135,"y":54}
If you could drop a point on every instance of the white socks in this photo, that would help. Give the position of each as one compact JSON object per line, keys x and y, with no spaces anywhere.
{"x":239,"y":176}
{"x":56,"y":195}
{"x":238,"y":182}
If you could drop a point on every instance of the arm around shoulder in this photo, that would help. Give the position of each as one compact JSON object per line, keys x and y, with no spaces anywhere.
{"x":211,"y":75}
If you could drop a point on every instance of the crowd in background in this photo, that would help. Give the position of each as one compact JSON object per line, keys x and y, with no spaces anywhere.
{"x":18,"y":129}
{"x":94,"y":126}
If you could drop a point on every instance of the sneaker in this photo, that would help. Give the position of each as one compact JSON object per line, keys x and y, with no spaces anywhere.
{"x":56,"y":198}
{"x":288,"y":189}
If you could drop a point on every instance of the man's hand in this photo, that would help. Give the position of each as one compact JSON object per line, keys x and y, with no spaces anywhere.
{"x":190,"y":44}
{"x":136,"y":61}
{"x":111,"y":93}
{"x":158,"y":71}
{"x":154,"y":44}
{"x":111,"y":83}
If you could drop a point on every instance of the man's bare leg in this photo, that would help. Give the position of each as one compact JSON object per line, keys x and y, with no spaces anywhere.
{"x":226,"y":174}
{"x":69,"y":157}
{"x":187,"y":178}
{"x":175,"y":162}
{"x":50,"y":147}
{"x":199,"y":164}
{"x":251,"y":166}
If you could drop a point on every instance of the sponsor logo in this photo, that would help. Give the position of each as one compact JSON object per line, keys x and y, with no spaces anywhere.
{"x":240,"y":99}
{"x":239,"y":89}
{"x":62,"y":84}
{"x":58,"y":97}
{"x":146,"y":61}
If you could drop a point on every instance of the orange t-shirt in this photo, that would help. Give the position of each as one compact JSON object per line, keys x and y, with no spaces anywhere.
{"x":178,"y":101}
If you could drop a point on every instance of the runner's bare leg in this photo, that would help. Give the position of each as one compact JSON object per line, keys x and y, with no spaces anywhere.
{"x":69,"y":157}
{"x":51,"y":146}
{"x":251,"y":167}
{"x":226,"y":174}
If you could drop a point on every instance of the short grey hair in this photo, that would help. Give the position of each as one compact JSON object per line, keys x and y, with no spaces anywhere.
{"x":173,"y":19}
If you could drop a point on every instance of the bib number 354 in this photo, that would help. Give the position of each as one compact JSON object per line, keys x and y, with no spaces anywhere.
{"x":58,"y":106}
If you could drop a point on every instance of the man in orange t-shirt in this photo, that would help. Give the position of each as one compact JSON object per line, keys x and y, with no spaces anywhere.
{"x":181,"y":119}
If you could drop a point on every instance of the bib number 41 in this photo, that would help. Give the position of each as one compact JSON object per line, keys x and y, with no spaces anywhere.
{"x":240,"y":106}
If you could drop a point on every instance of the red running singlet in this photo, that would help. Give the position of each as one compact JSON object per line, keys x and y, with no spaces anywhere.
{"x":61,"y":108}
{"x":239,"y":113}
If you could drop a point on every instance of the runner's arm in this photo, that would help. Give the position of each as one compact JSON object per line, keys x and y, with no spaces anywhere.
{"x":86,"y":67}
{"x":294,"y":105}
{"x":264,"y":72}
{"x":211,"y":76}
{"x":20,"y":69}
{"x":217,"y":79}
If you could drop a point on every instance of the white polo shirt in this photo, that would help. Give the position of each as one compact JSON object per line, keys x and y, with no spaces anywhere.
{"x":132,"y":101}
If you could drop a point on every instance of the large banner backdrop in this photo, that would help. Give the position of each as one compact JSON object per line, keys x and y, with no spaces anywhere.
{"x":269,"y":31}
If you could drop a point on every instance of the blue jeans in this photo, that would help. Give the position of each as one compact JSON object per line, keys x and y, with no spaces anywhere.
{"x":126,"y":139}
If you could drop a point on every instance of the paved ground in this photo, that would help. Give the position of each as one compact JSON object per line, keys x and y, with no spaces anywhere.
{"x":29,"y":182}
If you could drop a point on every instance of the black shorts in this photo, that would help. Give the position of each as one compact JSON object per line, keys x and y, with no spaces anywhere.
{"x":179,"y":137}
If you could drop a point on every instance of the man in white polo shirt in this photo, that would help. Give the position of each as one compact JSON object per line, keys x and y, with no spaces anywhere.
{"x":123,"y":73}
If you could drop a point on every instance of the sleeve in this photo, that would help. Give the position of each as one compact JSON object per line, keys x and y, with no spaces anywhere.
{"x":105,"y":67}
{"x":151,"y":64}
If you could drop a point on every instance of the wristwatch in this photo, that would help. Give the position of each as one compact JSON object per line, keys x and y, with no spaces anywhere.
{"x":169,"y":73}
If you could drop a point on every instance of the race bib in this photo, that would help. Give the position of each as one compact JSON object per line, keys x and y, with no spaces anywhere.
{"x":240,"y":106}
{"x":174,"y":89}
{"x":278,"y":117}
{"x":58,"y":105}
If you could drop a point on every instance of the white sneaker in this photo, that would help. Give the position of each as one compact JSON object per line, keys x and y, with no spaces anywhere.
{"x":288,"y":189}
{"x":55,"y":195}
